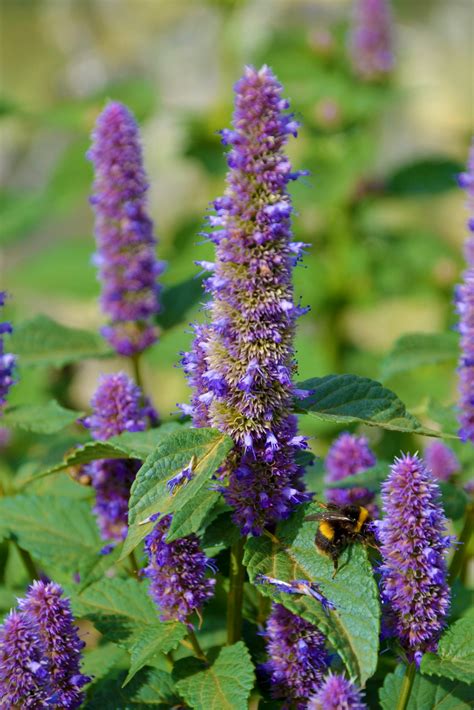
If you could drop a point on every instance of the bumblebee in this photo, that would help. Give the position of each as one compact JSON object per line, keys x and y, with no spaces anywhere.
{"x":340,"y":526}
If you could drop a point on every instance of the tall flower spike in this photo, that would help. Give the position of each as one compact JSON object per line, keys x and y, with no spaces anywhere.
{"x":7,"y":360}
{"x":23,"y":665}
{"x":337,"y":693}
{"x":441,"y":460}
{"x":117,"y":408}
{"x":242,"y":362}
{"x":464,"y":299}
{"x":297,"y":657}
{"x":413,"y":570}
{"x":348,"y":455}
{"x":51,"y":613}
{"x":371,"y":39}
{"x":177,"y":570}
{"x":126,"y":246}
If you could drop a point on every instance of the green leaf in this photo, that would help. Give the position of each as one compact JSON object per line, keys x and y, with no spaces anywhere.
{"x":455,"y":656}
{"x":426,"y":693}
{"x":226,"y":685}
{"x":43,"y":341}
{"x":372,"y":478}
{"x":352,"y":628}
{"x":158,"y":690}
{"x":159,"y":638}
{"x":417,"y":349}
{"x":177,"y":300}
{"x":46,"y":418}
{"x":454,"y":500}
{"x":347,"y":399}
{"x":429,"y":176}
{"x":99,"y":661}
{"x":207,"y":448}
{"x":108,"y":693}
{"x":58,"y":535}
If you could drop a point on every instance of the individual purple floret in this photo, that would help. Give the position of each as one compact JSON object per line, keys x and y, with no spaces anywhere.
{"x":24,"y":676}
{"x":371,"y":39}
{"x":51,"y":613}
{"x":117,"y":407}
{"x":441,"y":460}
{"x":7,"y":360}
{"x":414,"y":545}
{"x":464,"y":299}
{"x":124,"y":232}
{"x":337,"y":693}
{"x":242,"y":363}
{"x":348,"y":455}
{"x":297,"y":659}
{"x":177,"y":570}
{"x":297,"y":586}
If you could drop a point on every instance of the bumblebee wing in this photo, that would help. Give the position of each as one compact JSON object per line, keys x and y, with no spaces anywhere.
{"x":328,"y":515}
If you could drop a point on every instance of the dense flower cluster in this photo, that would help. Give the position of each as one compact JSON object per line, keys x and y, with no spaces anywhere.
{"x":441,"y":460}
{"x":414,"y":546}
{"x":117,"y":407}
{"x":7,"y":360}
{"x":465,"y":308}
{"x":337,"y":693}
{"x":348,"y":455}
{"x":297,"y":659}
{"x":177,"y":570}
{"x":126,"y":246}
{"x":242,"y":362}
{"x":371,"y":39}
{"x":40,"y":653}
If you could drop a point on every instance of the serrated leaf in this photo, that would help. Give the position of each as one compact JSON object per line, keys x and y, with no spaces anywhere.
{"x":158,"y":690}
{"x":417,"y":349}
{"x":352,"y":628}
{"x":46,"y":418}
{"x":455,"y":656}
{"x":192,"y":515}
{"x":348,"y":399}
{"x":426,"y":694}
{"x":428,"y":176}
{"x":153,"y":640}
{"x":207,"y":448}
{"x":43,"y":341}
{"x":57,"y":534}
{"x":226,"y":685}
{"x":177,"y":300}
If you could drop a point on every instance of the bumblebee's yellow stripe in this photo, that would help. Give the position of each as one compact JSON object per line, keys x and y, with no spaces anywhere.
{"x":363,"y":515}
{"x":326,"y":529}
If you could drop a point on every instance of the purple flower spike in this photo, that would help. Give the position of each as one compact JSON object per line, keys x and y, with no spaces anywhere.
{"x":7,"y":360}
{"x":24,"y":678}
{"x":441,"y":460}
{"x":52,"y":615}
{"x":337,"y":693}
{"x":297,"y":657}
{"x":464,"y":299}
{"x":414,"y":571}
{"x":126,"y":246}
{"x":177,"y":570}
{"x":242,"y":363}
{"x":371,"y":39}
{"x":348,"y":455}
{"x":117,"y":408}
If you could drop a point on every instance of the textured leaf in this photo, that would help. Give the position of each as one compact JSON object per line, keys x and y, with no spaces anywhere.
{"x":226,"y":685}
{"x":108,"y":693}
{"x":455,"y":656}
{"x":158,"y":690}
{"x":46,"y":418}
{"x":427,"y":693}
{"x":98,"y":662}
{"x":177,"y":300}
{"x":159,"y":638}
{"x":43,"y":341}
{"x":352,"y":628}
{"x":346,"y":399}
{"x":206,"y":447}
{"x":416,"y":349}
{"x":424,"y":177}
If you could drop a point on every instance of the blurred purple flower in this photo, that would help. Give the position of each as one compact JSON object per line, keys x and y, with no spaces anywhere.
{"x":297,"y":657}
{"x":371,"y":39}
{"x":441,"y":460}
{"x":177,"y":570}
{"x":7,"y":360}
{"x":414,"y":545}
{"x":337,"y":693}
{"x":126,"y":246}
{"x":242,"y":363}
{"x":348,"y":455}
{"x":464,"y":299}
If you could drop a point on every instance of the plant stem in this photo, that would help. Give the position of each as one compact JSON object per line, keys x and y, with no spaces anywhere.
{"x":198,"y":652}
{"x":236,"y":592}
{"x":28,"y":561}
{"x":137,"y":371}
{"x":461,"y":550}
{"x":407,"y":685}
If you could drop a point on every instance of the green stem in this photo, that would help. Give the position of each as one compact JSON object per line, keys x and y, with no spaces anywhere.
{"x":464,"y":539}
{"x":137,"y":370}
{"x":28,"y":561}
{"x":407,"y":685}
{"x":198,"y":652}
{"x":236,"y":592}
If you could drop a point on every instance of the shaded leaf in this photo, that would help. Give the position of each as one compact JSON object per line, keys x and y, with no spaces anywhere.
{"x":427,"y":693}
{"x":46,"y":418}
{"x":454,"y":500}
{"x":177,"y":300}
{"x":153,"y":640}
{"x":158,"y":690}
{"x":455,"y":656}
{"x":99,"y":661}
{"x":429,"y":176}
{"x":417,"y":349}
{"x":372,"y":478}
